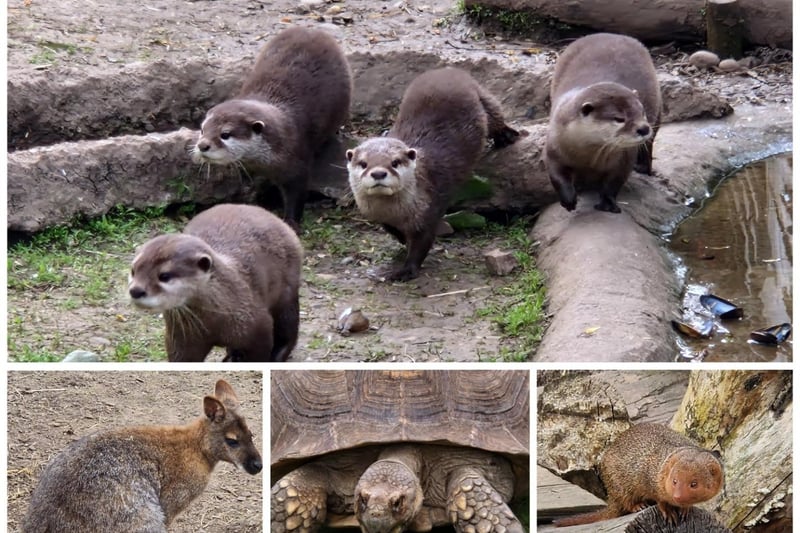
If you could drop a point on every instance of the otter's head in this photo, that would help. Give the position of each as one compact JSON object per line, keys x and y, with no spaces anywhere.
{"x":381,"y":167}
{"x":238,"y":131}
{"x":606,"y":115}
{"x":169,"y":272}
{"x":387,"y":497}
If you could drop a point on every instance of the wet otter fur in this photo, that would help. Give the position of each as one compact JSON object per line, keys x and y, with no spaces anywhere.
{"x":230,"y":279}
{"x":650,"y":463}
{"x":405,"y":180}
{"x":606,"y":109}
{"x":291,"y":104}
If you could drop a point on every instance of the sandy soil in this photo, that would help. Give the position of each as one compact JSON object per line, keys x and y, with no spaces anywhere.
{"x":48,"y":410}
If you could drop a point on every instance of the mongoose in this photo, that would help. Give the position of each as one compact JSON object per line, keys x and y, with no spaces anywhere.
{"x":606,"y":109}
{"x":140,"y":478}
{"x":648,"y":464}
{"x":405,"y":180}
{"x":230,"y":279}
{"x":291,"y":104}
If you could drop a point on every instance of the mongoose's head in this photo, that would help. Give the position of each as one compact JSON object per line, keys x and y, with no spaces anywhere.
{"x":381,"y":166}
{"x":693,"y":476}
{"x":169,"y":272}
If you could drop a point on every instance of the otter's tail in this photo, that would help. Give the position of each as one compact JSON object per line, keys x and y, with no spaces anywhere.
{"x":586,"y":518}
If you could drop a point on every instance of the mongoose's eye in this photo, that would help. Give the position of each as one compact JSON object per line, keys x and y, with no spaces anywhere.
{"x":362,"y":164}
{"x":674,"y":481}
{"x":693,"y":484}
{"x":225,"y":135}
{"x":233,"y":443}
{"x":164,"y":277}
{"x":395,"y":163}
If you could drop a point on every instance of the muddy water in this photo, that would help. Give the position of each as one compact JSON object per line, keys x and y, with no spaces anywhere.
{"x":739,"y":246}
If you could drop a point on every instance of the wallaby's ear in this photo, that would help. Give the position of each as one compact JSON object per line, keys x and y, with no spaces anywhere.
{"x":214,"y":409}
{"x":224,"y":393}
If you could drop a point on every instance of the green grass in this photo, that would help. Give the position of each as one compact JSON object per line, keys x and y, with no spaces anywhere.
{"x":522,"y":319}
{"x":68,"y":269}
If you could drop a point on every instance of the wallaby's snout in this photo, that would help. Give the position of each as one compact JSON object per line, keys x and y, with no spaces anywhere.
{"x":253,"y":465}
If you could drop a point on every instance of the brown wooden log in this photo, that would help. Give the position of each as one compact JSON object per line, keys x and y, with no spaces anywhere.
{"x":765,"y":22}
{"x":724,"y":28}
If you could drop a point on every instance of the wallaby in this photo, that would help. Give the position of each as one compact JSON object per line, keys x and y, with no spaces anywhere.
{"x":137,"y":479}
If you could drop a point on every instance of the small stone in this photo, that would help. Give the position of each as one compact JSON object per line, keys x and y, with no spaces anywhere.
{"x":748,"y":62}
{"x":500,"y":263}
{"x":334,"y":10}
{"x":729,"y":65}
{"x":443,"y":228}
{"x":81,"y":356}
{"x":704,"y":59}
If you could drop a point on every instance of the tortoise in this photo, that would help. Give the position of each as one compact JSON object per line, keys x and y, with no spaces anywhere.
{"x":399,"y":450}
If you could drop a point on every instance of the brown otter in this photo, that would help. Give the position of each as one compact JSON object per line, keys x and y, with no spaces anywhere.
{"x":405,"y":180}
{"x":230,"y":279}
{"x":291,"y":104}
{"x":606,"y":109}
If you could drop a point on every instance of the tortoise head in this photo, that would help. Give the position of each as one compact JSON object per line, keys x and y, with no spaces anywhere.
{"x":387,"y":497}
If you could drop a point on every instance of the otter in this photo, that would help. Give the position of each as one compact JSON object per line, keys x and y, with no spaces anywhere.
{"x":291,"y":104}
{"x":405,"y":180}
{"x":230,"y":279}
{"x":606,"y":110}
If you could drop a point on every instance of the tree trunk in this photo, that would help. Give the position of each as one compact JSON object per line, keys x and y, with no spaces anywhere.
{"x":766,"y":22}
{"x":724,"y":28}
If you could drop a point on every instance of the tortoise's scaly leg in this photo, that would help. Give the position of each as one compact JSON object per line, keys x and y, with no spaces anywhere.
{"x":474,"y":505}
{"x":298,"y":501}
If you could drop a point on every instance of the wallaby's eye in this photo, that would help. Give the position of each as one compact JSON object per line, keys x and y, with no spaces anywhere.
{"x":395,"y":163}
{"x":164,"y":277}
{"x":362,"y":164}
{"x":233,"y":443}
{"x":225,"y":135}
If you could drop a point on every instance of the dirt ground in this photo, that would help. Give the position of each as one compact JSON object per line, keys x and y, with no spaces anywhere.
{"x":48,"y":410}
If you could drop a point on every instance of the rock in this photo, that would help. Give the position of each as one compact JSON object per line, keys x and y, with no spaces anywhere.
{"x":308,"y":6}
{"x":729,"y":65}
{"x":500,"y":263}
{"x":352,"y":321}
{"x":465,"y":220}
{"x":81,"y":356}
{"x":704,"y":59}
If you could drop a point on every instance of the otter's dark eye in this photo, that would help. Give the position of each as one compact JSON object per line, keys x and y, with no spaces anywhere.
{"x":165,"y":277}
{"x":233,"y":443}
{"x":619,"y":120}
{"x":362,"y":164}
{"x":225,"y":135}
{"x":395,"y":163}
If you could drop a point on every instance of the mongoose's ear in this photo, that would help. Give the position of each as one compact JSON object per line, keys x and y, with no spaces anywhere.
{"x":214,"y":409}
{"x":225,"y":394}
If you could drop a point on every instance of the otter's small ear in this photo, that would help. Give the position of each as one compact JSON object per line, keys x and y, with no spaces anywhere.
{"x":411,"y":154}
{"x":257,"y":126}
{"x":636,"y":93}
{"x":586,"y":108}
{"x":349,"y":155}
{"x":204,"y":263}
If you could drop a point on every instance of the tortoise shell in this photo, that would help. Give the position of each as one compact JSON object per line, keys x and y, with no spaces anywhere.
{"x":317,"y":412}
